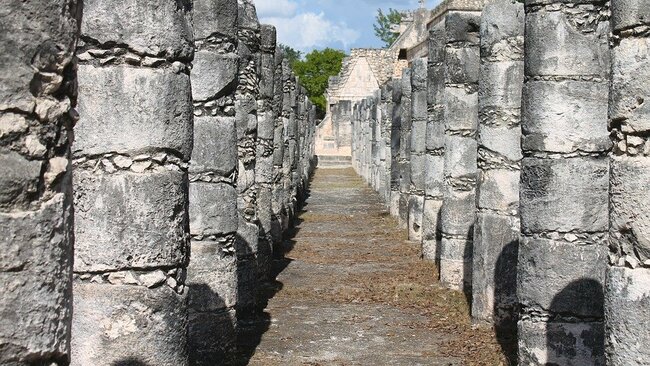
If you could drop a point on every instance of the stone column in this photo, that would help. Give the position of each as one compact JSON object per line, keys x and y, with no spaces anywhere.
{"x":405,"y":149}
{"x":499,"y":154}
{"x":212,"y":273}
{"x":418,"y":147}
{"x":131,"y":153}
{"x":248,"y":33}
{"x":627,"y":293}
{"x":395,"y":141}
{"x":376,"y":139}
{"x":461,"y":121}
{"x":564,"y":184}
{"x":387,"y":131}
{"x":265,"y":145}
{"x":36,"y":226}
{"x":496,"y":235}
{"x":278,"y":150}
{"x":435,"y":145}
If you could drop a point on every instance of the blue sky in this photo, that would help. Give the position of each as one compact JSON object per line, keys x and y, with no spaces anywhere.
{"x":315,"y":24}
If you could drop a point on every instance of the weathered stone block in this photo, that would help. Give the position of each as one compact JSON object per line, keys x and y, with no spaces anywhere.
{"x":431,"y":229}
{"x":214,"y":16}
{"x":499,"y":190}
{"x":494,"y":268}
{"x":564,"y":195}
{"x":460,"y":157}
{"x":629,"y":89}
{"x":456,"y":263}
{"x":436,"y":131}
{"x":211,"y":337}
{"x":500,"y":142}
{"x":434,"y":177}
{"x":212,"y":276}
{"x":247,"y":238}
{"x":458,"y":213}
{"x":213,"y":75}
{"x":462,"y":65}
{"x":415,"y":214}
{"x":627,"y":308}
{"x":461,"y":109}
{"x":215,"y":145}
{"x":19,"y":179}
{"x":545,"y":281}
{"x":500,"y":85}
{"x":565,"y":116}
{"x":117,"y":324}
{"x":213,"y":209}
{"x":128,"y":220}
{"x":35,"y":266}
{"x":135,"y":23}
{"x":463,"y":26}
{"x":554,"y":38}
{"x":419,"y":108}
{"x":502,"y":22}
{"x":128,"y":109}
{"x":247,"y":286}
{"x":629,"y":13}
{"x":418,"y":173}
{"x":560,"y":343}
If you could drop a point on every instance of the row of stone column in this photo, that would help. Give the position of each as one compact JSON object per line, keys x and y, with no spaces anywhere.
{"x":191,"y":143}
{"x":507,"y":169}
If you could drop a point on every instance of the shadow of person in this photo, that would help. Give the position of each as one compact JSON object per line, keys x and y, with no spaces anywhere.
{"x":575,"y":333}
{"x":468,"y":255}
{"x":505,"y":306}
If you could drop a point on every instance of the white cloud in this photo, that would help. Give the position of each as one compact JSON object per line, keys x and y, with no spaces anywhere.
{"x":276,"y":8}
{"x":309,"y":30}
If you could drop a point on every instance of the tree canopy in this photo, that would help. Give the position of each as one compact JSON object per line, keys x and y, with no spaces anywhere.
{"x":314,"y":73}
{"x":292,"y":54}
{"x":385,"y":23}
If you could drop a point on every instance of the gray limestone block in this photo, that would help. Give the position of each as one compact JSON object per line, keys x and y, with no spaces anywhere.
{"x":460,"y":157}
{"x":418,"y":172}
{"x":128,"y":220}
{"x":627,"y":309}
{"x":461,"y":109}
{"x":415,"y":215}
{"x":35,"y":275}
{"x":418,"y":75}
{"x":437,"y":41}
{"x":19,"y":180}
{"x":263,"y":168}
{"x":247,"y":18}
{"x":215,"y":145}
{"x":564,"y":195}
{"x":247,"y":238}
{"x":419,"y":106}
{"x":211,"y":337}
{"x":418,"y":136}
{"x":214,"y":16}
{"x":629,"y":207}
{"x":494,"y":267}
{"x":462,"y":65}
{"x":565,"y":116}
{"x":500,"y":85}
{"x":498,"y":189}
{"x":629,"y":89}
{"x":501,"y":21}
{"x":394,"y":203}
{"x":213,"y":209}
{"x":436,"y":131}
{"x":560,"y":343}
{"x":434,"y":175}
{"x":436,"y":84}
{"x":153,"y":27}
{"x":114,"y":324}
{"x":266,"y":77}
{"x":268,"y":37}
{"x":545,"y":281}
{"x":463,"y":26}
{"x":212,"y":276}
{"x":456,"y":263}
{"x":405,"y":177}
{"x":558,"y":44}
{"x":213,"y":75}
{"x":500,"y":143}
{"x":629,"y":13}
{"x":551,"y":2}
{"x":247,"y":286}
{"x":431,"y":229}
{"x":404,"y":209}
{"x":45,"y":42}
{"x":130,"y":110}
{"x":458,"y":213}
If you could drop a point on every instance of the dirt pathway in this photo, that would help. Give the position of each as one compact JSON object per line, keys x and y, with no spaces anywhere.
{"x":353,"y":291}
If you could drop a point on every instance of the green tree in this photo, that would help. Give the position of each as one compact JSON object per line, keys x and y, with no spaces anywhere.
{"x":314,"y":73}
{"x":292,"y":54}
{"x":385,"y":23}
